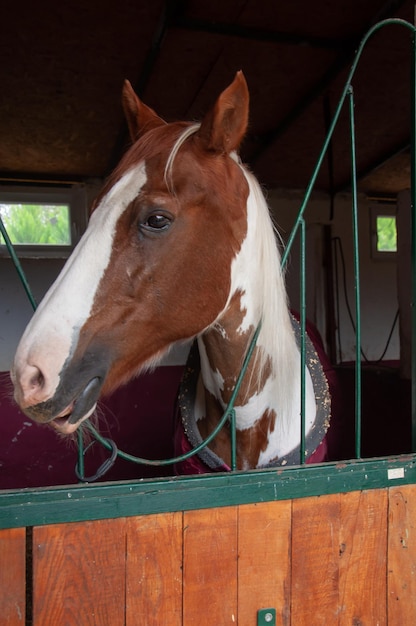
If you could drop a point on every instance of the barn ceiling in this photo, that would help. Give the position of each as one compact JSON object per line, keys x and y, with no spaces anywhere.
{"x":63,"y":65}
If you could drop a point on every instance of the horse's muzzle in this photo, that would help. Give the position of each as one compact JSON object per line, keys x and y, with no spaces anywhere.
{"x":66,"y":420}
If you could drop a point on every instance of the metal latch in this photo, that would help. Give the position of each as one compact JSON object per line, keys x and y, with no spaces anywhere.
{"x":266,"y":617}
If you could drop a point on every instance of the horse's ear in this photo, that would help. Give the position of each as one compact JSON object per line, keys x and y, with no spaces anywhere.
{"x":224,"y":127}
{"x":140,"y":118}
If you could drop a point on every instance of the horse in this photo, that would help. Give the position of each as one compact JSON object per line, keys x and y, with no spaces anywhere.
{"x":180,"y":247}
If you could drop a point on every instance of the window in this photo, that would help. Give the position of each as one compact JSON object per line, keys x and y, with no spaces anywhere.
{"x":43,"y":222}
{"x":383,"y":231}
{"x":386,"y":233}
{"x":37,"y":224}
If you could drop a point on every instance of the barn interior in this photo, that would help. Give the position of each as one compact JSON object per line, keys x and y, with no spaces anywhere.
{"x":63,"y":67}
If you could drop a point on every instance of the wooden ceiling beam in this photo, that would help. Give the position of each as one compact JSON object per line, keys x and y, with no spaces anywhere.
{"x":343,"y":59}
{"x":256,"y":34}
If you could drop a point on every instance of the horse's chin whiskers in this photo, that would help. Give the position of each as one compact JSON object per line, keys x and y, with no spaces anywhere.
{"x":87,"y":436}
{"x":6,"y":385}
{"x":100,"y":418}
{"x":70,"y":439}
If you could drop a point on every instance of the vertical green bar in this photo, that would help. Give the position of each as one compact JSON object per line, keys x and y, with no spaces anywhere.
{"x":233,"y":429}
{"x":302,"y":338}
{"x":81,"y":468}
{"x":17,"y":264}
{"x":413,"y":207}
{"x":356,"y":279}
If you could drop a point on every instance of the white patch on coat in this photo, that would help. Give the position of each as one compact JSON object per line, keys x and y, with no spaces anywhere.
{"x":213,"y":380}
{"x":282,"y":439}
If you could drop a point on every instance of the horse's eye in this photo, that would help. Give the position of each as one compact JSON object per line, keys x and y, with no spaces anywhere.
{"x":157,"y":221}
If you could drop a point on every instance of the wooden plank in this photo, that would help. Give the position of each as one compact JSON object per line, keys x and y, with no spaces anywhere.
{"x":339,"y":546}
{"x":154,"y":570}
{"x":362,"y":558}
{"x":210,"y":567}
{"x":12,"y":577}
{"x":315,"y":556}
{"x":79,"y":573}
{"x":402,"y":555}
{"x":264,"y":535}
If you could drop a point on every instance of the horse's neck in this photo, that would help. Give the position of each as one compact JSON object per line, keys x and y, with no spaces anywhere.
{"x":268,"y":404}
{"x":264,"y":433}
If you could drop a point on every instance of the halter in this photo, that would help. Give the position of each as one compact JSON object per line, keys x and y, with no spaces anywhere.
{"x":109,"y":444}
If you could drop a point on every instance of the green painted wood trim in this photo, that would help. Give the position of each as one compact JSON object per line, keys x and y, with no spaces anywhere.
{"x":32,"y":507}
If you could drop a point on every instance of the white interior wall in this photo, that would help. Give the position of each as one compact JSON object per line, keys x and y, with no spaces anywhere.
{"x":285,"y":206}
{"x":378,"y":294}
{"x":377,"y":277}
{"x":15,"y":309}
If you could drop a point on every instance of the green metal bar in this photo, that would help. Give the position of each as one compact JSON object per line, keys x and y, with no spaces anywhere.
{"x":233,"y":434}
{"x":347,"y":92}
{"x":81,"y":452}
{"x":413,"y":227}
{"x":302,"y":340}
{"x":370,"y":33}
{"x":356,"y":278}
{"x":32,"y":507}
{"x":17,"y":264}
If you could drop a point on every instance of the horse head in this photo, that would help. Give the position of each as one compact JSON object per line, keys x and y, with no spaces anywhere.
{"x":153,"y":267}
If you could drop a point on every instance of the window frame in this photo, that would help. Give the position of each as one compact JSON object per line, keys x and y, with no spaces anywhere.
{"x":72,"y":195}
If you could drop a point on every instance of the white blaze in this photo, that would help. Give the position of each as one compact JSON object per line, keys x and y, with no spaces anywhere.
{"x":53,"y":331}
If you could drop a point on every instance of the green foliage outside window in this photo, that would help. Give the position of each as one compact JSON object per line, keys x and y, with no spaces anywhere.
{"x":37,"y":224}
{"x":386,"y":233}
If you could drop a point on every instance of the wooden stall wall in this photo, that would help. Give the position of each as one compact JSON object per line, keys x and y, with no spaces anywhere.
{"x":12,"y":577}
{"x":339,"y":559}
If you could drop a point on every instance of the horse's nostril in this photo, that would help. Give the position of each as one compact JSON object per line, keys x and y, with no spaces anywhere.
{"x":37,"y":380}
{"x":30,"y":385}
